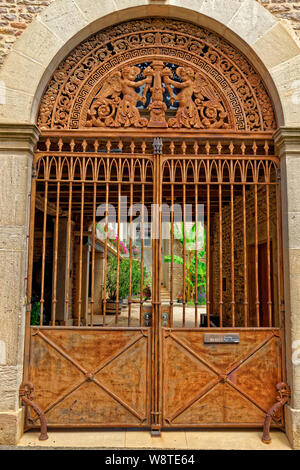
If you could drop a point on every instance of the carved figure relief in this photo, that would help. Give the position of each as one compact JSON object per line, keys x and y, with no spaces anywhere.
{"x":156,"y":72}
{"x":198,"y":104}
{"x":110,"y":109}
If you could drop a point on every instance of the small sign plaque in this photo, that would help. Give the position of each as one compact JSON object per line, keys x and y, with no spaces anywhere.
{"x":221,"y":338}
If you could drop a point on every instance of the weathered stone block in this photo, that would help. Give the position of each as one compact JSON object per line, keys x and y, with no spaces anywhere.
{"x":293,"y":426}
{"x":16,"y":68}
{"x":39,"y":42}
{"x":286,"y":78}
{"x":12,"y":306}
{"x":276,"y":46}
{"x":293,"y":219}
{"x":14,"y":182}
{"x":96,"y":9}
{"x":221,"y":10}
{"x":292,"y":176}
{"x":10,"y":380}
{"x":63,"y":18}
{"x":13,"y":239}
{"x":17,"y":106}
{"x":11,"y":427}
{"x":251,"y":21}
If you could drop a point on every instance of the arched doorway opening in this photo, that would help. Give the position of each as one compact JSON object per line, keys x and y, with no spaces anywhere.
{"x":155,"y":269}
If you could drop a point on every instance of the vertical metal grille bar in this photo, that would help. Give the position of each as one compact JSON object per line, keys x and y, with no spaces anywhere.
{"x":208,"y":252}
{"x":221,"y":250}
{"x":172,"y":246}
{"x":142,"y":240}
{"x":130,"y":244}
{"x":196,"y":247}
{"x":232,"y":252}
{"x":106,"y":241}
{"x":184,"y":249}
{"x":67,"y":299}
{"x":245,"y":246}
{"x":81,"y":253}
{"x":270,"y":306}
{"x":256,"y":248}
{"x":118,"y":251}
{"x":42,"y":303}
{"x":54,"y":296}
{"x":92,"y":301}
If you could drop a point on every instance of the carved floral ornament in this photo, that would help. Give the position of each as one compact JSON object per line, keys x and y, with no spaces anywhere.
{"x":156,"y":73}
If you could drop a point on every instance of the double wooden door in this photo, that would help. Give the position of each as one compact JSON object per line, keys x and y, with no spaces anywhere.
{"x":180,"y":351}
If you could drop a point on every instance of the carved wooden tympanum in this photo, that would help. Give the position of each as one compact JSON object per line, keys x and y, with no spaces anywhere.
{"x":156,"y":73}
{"x":199,"y":105}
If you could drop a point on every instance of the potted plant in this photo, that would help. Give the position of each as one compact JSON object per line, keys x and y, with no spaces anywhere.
{"x":180,"y":298}
{"x":113,"y":288}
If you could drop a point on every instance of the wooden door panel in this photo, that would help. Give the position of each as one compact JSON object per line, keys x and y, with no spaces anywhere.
{"x":220,"y":384}
{"x":258,"y":374}
{"x":222,"y":404}
{"x":187,"y":377}
{"x":85,"y":377}
{"x":90,"y":405}
{"x":220,"y":356}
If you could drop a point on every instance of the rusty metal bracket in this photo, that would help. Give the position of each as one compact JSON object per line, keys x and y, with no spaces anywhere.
{"x":283,"y":396}
{"x":26,"y":394}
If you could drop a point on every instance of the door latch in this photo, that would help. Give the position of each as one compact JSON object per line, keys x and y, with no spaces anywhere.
{"x":165,"y":319}
{"x":148,"y":319}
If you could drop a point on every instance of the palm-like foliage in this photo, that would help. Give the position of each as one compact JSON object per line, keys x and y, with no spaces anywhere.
{"x":193,"y":238}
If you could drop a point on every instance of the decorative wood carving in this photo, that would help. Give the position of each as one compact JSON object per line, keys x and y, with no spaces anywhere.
{"x":115,"y":105}
{"x":199,"y":105}
{"x":156,"y":73}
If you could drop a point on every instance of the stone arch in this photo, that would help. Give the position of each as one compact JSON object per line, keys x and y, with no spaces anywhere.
{"x":65,"y":23}
{"x":224,"y":89}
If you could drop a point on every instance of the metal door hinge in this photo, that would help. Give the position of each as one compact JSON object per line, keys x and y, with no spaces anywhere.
{"x":279,"y":174}
{"x":33,"y":171}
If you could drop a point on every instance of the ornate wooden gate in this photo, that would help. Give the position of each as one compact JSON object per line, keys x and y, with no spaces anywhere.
{"x":155,"y":294}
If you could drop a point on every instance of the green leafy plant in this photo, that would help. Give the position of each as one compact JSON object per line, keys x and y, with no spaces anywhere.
{"x":35,"y":311}
{"x":124,"y":276}
{"x":191,"y":237}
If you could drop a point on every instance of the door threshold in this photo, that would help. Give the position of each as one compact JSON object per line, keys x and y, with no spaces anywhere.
{"x":225,"y":439}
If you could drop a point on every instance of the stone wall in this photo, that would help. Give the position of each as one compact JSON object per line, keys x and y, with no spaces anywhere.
{"x":15,"y":15}
{"x":286,"y":10}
